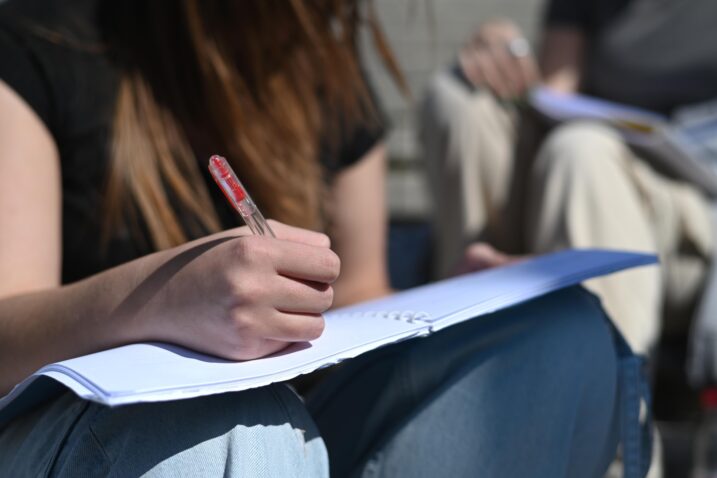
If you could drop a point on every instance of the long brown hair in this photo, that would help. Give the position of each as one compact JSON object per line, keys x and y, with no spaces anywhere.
{"x":259,"y":81}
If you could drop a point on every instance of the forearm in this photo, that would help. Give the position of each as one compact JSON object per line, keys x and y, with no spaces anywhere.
{"x":561,"y":59}
{"x":359,"y":229}
{"x":353,"y":291}
{"x":233,"y":295}
{"x":45,"y":326}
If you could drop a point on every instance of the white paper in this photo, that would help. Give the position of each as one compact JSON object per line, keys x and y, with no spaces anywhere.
{"x":463,"y":298}
{"x":564,"y":106}
{"x":158,"y":372}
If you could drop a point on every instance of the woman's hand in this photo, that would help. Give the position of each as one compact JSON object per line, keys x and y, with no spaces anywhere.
{"x":241,"y":296}
{"x":500,"y":59}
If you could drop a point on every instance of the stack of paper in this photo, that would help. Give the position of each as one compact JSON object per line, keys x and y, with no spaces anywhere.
{"x":158,"y":372}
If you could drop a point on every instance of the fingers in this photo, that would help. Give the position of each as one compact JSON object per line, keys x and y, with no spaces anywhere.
{"x":521,"y":55}
{"x":469,"y":65}
{"x":507,"y":71}
{"x":484,"y":255}
{"x":479,"y":256}
{"x":253,"y":350}
{"x":499,"y":58}
{"x":494,"y":68}
{"x":299,"y":260}
{"x":257,"y":263}
{"x":485,"y":63}
{"x":291,"y":327}
{"x":296,"y":234}
{"x":306,"y":262}
{"x":529,"y":71}
{"x":272,"y":335}
{"x":296,"y":296}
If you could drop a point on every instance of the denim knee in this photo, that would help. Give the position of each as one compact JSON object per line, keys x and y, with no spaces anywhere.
{"x":528,"y":391}
{"x":586,"y":357}
{"x":575,"y":335}
{"x":262,"y":432}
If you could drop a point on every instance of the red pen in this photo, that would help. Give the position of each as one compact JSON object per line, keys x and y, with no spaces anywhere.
{"x":229,"y":183}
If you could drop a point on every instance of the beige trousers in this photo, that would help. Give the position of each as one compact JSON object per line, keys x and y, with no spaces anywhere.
{"x":580,"y":186}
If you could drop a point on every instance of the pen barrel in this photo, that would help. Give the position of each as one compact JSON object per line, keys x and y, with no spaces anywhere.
{"x":232,"y":188}
{"x":258,"y":224}
{"x":254,"y":218}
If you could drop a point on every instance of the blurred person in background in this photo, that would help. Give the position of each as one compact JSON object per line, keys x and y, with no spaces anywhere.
{"x":580,"y":185}
{"x":501,"y":177}
{"x":112,"y":232}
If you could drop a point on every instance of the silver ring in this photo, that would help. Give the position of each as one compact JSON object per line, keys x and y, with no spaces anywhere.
{"x":518,"y":47}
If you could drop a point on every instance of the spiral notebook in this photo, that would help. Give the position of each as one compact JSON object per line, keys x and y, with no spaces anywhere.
{"x":149,"y":372}
{"x":683,"y":146}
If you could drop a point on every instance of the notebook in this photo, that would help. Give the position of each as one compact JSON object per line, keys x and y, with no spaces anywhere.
{"x":558,"y":106}
{"x":150,"y":372}
{"x":684,"y":146}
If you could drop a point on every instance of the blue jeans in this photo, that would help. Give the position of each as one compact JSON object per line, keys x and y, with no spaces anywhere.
{"x":263,"y":432}
{"x":527,"y":392}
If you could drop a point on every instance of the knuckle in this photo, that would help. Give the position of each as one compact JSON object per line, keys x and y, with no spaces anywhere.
{"x":243,"y":248}
{"x":242,"y":337}
{"x":244,"y":291}
{"x":251,"y":249}
{"x":241,"y":323}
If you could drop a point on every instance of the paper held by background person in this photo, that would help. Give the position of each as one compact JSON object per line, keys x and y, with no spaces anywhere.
{"x":683,"y":146}
{"x":149,"y":372}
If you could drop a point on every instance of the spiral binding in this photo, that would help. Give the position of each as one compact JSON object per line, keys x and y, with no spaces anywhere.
{"x":407,"y":316}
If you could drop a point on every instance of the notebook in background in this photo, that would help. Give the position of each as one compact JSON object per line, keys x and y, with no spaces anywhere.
{"x":684,"y":147}
{"x":560,"y":107}
{"x":151,"y":372}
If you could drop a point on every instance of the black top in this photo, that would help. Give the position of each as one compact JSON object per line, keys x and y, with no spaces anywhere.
{"x":51,"y":55}
{"x":656,"y":54}
{"x":587,"y":15}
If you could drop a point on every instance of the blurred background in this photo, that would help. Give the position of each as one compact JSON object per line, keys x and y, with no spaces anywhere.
{"x":426,"y":36}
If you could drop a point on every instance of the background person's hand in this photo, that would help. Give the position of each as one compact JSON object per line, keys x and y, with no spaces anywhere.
{"x":241,"y":296}
{"x":499,"y":58}
{"x":481,"y":255}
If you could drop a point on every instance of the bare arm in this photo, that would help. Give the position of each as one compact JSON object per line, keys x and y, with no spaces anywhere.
{"x":562,"y":55}
{"x":196,"y":295}
{"x":358,"y":215}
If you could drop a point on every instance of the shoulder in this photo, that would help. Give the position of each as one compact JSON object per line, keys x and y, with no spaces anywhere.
{"x":50,"y":52}
{"x":347,"y":141}
{"x":69,"y":18}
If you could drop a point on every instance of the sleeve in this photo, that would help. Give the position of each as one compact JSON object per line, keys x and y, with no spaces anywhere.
{"x":22,"y":70}
{"x":355,"y":140}
{"x":568,"y":13}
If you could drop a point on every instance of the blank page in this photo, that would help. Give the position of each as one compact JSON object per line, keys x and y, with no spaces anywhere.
{"x":451,"y":301}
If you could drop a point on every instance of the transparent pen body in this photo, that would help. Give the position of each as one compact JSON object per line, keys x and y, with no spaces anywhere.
{"x":254,"y":218}
{"x":236,"y":194}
